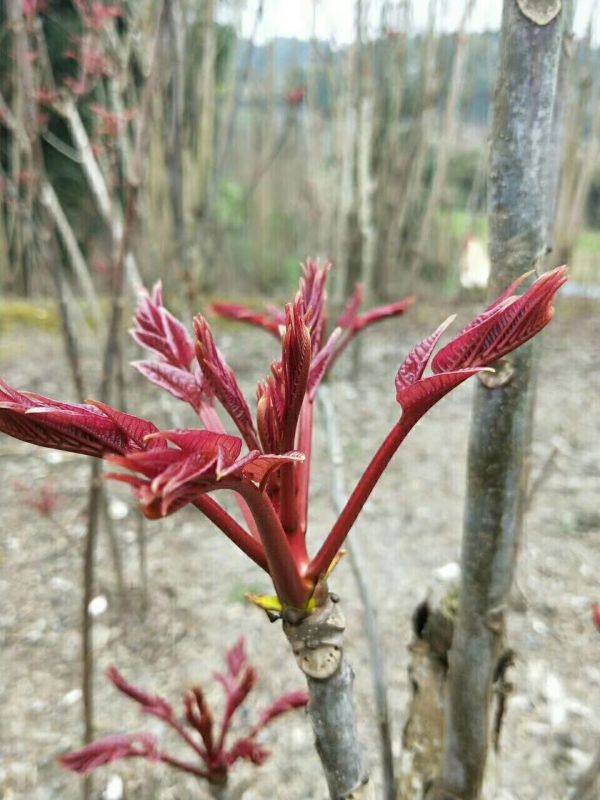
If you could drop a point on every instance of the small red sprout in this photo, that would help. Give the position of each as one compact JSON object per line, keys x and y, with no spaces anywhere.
{"x":112,"y":124}
{"x":43,"y":499}
{"x":295,"y":97}
{"x":170,"y":469}
{"x":31,"y":8}
{"x":214,"y":756}
{"x":596,"y":615}
{"x":96,"y":16}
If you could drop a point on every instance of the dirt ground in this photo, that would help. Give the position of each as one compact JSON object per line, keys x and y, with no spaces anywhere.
{"x":197,"y":579}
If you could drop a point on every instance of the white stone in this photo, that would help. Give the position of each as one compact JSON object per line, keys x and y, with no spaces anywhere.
{"x":72,"y":697}
{"x":97,"y":605}
{"x":449,"y":573}
{"x":118,"y":509}
{"x":114,"y":788}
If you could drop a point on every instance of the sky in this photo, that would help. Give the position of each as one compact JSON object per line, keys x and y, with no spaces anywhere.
{"x":334,"y":19}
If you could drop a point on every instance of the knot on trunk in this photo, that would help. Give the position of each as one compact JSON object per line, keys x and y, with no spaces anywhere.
{"x":317,"y":640}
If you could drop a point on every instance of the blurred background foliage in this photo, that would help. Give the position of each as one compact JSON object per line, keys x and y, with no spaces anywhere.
{"x":373,"y":154}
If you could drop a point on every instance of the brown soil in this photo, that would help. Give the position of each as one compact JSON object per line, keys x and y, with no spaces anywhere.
{"x":197,"y":579}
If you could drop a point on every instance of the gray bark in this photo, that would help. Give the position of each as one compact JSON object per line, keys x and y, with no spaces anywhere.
{"x":522,"y":127}
{"x":317,"y":642}
{"x":333,"y":718}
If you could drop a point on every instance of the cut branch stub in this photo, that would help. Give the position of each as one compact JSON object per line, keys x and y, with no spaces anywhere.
{"x":502,"y":374}
{"x":317,"y":641}
{"x":540,"y":11}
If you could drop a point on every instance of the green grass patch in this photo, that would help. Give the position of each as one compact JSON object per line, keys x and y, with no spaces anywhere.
{"x":15,"y":313}
{"x":589,"y":242}
{"x":461,"y":223}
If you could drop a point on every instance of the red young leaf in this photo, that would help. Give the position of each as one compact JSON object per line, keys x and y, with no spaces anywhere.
{"x":352,"y":307}
{"x":258,"y":467}
{"x":176,"y":476}
{"x":313,"y":294}
{"x":295,"y":360}
{"x":505,"y":326}
{"x":111,"y":749}
{"x":223,"y":382}
{"x":138,"y":430}
{"x":267,"y":321}
{"x":287,"y":702}
{"x":417,"y":360}
{"x":151,"y":704}
{"x":76,"y":428}
{"x":183,"y":384}
{"x":158,"y":330}
{"x":237,"y":657}
{"x":382,"y":312}
{"x":247,"y":749}
{"x":238,"y":682}
{"x":199,"y":716}
{"x":596,"y":615}
{"x":237,"y":690}
{"x":420,"y":396}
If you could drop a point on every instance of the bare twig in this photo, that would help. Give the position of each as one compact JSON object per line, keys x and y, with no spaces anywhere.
{"x":240,"y":80}
{"x":142,"y":561}
{"x":270,"y":157}
{"x":542,"y":476}
{"x":87,"y":644}
{"x":357,"y":562}
{"x":115,"y":552}
{"x":121,"y":241}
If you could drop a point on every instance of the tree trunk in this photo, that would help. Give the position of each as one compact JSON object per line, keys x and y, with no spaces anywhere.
{"x":522,"y":126}
{"x":447,"y":139}
{"x":174,"y":144}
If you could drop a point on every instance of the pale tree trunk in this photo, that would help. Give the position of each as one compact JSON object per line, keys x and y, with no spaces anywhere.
{"x":347,"y":133}
{"x":174,"y":144}
{"x":207,"y":88}
{"x":577,"y":170}
{"x":409,"y":192}
{"x":240,"y":79}
{"x":352,"y":213}
{"x":389,"y":172}
{"x":364,"y":136}
{"x":205,"y":154}
{"x":557,"y":143}
{"x":522,"y":127}
{"x":447,"y":139}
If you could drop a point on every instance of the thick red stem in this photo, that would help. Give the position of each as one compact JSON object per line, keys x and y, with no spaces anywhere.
{"x":183,"y":766}
{"x":359,"y":496}
{"x":291,"y":588}
{"x":212,"y":422}
{"x":289,"y":499}
{"x":303,"y":471}
{"x":225,"y":522}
